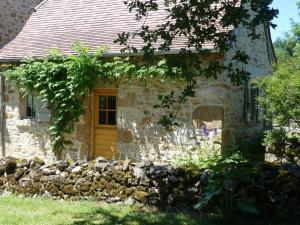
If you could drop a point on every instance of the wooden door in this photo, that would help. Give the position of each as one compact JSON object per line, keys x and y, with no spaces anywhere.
{"x":105,"y":123}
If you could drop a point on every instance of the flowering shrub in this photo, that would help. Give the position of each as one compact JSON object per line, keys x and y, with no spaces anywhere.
{"x":204,"y":154}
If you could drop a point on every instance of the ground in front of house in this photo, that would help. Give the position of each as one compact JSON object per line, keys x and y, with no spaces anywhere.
{"x":45,"y":211}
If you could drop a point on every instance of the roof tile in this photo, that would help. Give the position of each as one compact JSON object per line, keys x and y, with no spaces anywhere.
{"x":95,"y":23}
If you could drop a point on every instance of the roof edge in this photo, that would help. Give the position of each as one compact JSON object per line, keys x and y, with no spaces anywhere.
{"x":39,"y":5}
{"x":269,"y":39}
{"x":107,"y":54}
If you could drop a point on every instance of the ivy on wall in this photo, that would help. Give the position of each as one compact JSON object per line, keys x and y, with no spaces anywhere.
{"x":64,"y":82}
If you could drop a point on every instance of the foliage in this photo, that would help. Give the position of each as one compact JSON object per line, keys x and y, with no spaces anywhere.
{"x":252,"y":147}
{"x":61,"y":82}
{"x":280,"y":102}
{"x":289,"y":46}
{"x":65,"y":82}
{"x":229,"y":185}
{"x":202,"y":156}
{"x":259,"y":190}
{"x":275,"y":137}
{"x":205,"y":154}
{"x":281,"y":99}
{"x":283,"y":142}
{"x":197,"y":23}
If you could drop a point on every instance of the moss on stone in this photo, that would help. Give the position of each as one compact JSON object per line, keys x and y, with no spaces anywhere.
{"x":140,"y":196}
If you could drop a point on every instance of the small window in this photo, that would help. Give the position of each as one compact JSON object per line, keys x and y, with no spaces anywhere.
{"x":30,"y":106}
{"x":107,"y":110}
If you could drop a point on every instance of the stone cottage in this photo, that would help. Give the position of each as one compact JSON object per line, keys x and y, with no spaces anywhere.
{"x":119,"y":121}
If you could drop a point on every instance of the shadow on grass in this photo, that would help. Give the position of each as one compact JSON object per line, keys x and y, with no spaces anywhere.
{"x":120,"y":216}
{"x":135,"y":217}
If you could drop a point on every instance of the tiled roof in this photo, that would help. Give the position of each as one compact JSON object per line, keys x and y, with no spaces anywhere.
{"x":60,"y":23}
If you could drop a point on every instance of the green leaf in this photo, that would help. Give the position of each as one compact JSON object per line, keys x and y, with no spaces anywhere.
{"x":206,"y":197}
{"x":248,"y":207}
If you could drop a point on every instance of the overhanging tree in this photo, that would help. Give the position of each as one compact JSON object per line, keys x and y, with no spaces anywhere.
{"x":281,"y":99}
{"x":289,"y":45}
{"x":197,"y":22}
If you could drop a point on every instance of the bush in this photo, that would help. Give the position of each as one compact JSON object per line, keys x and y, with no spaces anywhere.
{"x":202,"y":156}
{"x":275,"y":139}
{"x":281,"y":107}
{"x":230,"y":186}
{"x":282,"y":142}
{"x":237,"y":187}
{"x":252,"y":148}
{"x":281,"y":99}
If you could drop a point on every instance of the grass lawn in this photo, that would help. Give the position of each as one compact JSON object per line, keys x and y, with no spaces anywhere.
{"x":44,"y":211}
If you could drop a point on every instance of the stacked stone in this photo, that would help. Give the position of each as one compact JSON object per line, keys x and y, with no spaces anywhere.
{"x":13,"y":16}
{"x":104,"y":180}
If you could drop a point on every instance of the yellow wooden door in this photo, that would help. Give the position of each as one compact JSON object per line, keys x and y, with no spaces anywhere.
{"x":105,"y":123}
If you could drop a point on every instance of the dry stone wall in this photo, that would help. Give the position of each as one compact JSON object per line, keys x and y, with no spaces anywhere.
{"x":110,"y":181}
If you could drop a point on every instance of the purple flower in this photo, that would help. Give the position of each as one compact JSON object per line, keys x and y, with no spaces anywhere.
{"x":205,"y":132}
{"x":198,"y":142}
{"x":215,"y":131}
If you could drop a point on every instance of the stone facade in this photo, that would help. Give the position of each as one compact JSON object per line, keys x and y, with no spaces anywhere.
{"x":239,"y":123}
{"x":13,"y":16}
{"x":24,"y":137}
{"x":218,"y":106}
{"x":141,"y":137}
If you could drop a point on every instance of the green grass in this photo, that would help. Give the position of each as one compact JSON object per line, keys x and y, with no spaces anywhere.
{"x":44,"y":211}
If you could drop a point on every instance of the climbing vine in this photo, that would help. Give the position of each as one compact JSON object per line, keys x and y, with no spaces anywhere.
{"x":65,"y":82}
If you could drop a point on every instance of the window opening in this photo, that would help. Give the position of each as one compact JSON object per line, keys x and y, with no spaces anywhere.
{"x":107,"y":110}
{"x":30,"y":106}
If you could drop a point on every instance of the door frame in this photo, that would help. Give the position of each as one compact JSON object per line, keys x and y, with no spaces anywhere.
{"x":96,"y":92}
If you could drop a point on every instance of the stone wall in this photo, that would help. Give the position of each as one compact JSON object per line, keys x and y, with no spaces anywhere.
{"x":24,"y":138}
{"x":103,"y":180}
{"x":13,"y":16}
{"x":140,"y":135}
{"x":218,"y":105}
{"x":260,"y":64}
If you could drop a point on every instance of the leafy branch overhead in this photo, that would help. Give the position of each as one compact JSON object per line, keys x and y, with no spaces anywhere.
{"x":289,"y":45}
{"x":198,"y":22}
